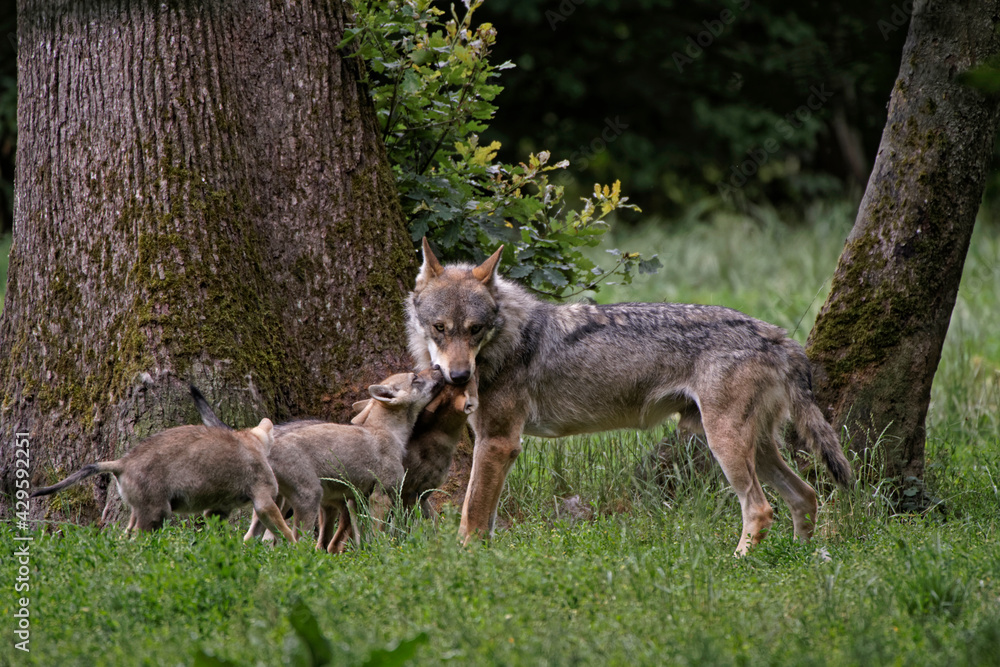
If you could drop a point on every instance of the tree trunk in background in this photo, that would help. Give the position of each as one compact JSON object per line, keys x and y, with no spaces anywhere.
{"x":878,"y":338}
{"x":201,"y":196}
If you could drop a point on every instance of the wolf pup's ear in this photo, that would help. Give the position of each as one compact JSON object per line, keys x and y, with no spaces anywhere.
{"x":484,"y":272}
{"x":263,"y":433}
{"x":471,"y":403}
{"x":366,"y":408}
{"x":430,"y":269}
{"x":382,"y":393}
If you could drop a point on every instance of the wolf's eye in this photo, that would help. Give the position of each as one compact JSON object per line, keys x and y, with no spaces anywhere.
{"x":475,"y":328}
{"x":439,"y":327}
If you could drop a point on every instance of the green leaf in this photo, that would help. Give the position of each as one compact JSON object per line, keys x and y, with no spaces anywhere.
{"x":411,"y":84}
{"x":202,"y":659}
{"x":398,"y":655}
{"x":306,"y":627}
{"x":350,"y":34}
{"x":651,"y":265}
{"x":422,"y":56}
{"x":520,"y":271}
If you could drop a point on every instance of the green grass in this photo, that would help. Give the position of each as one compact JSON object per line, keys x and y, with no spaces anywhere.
{"x":646,"y":578}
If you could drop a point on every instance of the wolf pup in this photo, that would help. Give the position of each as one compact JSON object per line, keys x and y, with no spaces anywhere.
{"x":432,"y":444}
{"x":554,"y":370}
{"x":209,"y":418}
{"x":191,"y":469}
{"x":317,"y":464}
{"x":357,"y":459}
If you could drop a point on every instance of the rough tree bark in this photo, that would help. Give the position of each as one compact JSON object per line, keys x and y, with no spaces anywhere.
{"x":878,"y":338}
{"x":201,"y":195}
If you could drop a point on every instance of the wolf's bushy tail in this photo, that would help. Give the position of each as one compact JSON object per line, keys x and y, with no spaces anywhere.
{"x":208,"y":417}
{"x":812,"y":426}
{"x":83,"y":473}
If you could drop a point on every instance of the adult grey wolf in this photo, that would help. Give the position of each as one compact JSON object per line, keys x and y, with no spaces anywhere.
{"x":554,"y":370}
{"x":191,"y":469}
{"x":321,"y":465}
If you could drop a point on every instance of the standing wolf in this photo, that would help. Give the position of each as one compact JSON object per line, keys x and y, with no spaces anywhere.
{"x":554,"y":370}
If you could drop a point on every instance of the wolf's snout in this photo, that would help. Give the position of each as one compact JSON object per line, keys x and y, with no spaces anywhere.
{"x":460,"y":377}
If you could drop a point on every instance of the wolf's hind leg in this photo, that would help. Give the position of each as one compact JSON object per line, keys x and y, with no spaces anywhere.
{"x":269,"y":514}
{"x":336,"y":544}
{"x":732,"y":444}
{"x":800,"y":497}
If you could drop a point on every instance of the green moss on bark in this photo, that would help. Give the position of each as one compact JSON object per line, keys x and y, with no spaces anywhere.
{"x":892,"y":271}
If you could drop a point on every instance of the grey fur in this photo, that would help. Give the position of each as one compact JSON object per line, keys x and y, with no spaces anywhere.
{"x":318,"y":465}
{"x":555,"y":370}
{"x":432,"y":444}
{"x":192,"y":469}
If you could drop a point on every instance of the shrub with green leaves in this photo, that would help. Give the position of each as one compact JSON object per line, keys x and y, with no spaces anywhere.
{"x":433,"y":86}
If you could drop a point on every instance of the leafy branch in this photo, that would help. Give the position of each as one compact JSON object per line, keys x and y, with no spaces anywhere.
{"x":433,"y":87}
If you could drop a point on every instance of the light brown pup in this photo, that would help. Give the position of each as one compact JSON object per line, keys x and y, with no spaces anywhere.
{"x":323,"y":465}
{"x":193,"y":469}
{"x":433,"y":442}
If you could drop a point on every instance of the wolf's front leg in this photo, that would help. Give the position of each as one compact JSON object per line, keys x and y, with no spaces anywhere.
{"x":492,"y":459}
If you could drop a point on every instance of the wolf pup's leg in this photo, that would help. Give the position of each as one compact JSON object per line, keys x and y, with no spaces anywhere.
{"x":269,"y":514}
{"x":256,"y":528}
{"x":336,"y":544}
{"x":327,"y":514}
{"x":149,"y":517}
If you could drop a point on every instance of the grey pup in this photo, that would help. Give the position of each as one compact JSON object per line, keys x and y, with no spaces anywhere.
{"x":209,"y":418}
{"x":554,"y":370}
{"x":432,"y":444}
{"x":321,"y":465}
{"x":192,"y":469}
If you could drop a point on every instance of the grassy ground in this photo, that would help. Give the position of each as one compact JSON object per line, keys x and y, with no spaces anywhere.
{"x":637,"y":572}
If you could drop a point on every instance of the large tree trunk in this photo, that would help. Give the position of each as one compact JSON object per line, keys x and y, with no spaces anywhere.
{"x":201,"y":196}
{"x":878,"y":338}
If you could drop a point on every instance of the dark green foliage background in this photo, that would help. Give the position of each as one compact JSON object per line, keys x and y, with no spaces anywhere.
{"x":8,"y":113}
{"x":582,"y":63}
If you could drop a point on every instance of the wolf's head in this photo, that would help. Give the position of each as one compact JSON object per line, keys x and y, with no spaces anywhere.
{"x":452,"y":313}
{"x":403,"y":391}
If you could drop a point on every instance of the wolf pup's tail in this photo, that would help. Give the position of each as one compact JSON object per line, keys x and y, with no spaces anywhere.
{"x":812,"y":426}
{"x":208,"y":417}
{"x":82,"y":473}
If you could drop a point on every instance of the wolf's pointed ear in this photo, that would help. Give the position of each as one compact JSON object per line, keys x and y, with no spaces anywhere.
{"x":484,"y":272}
{"x":366,"y":408}
{"x":430,"y":269}
{"x":263,"y":433}
{"x":382,"y":393}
